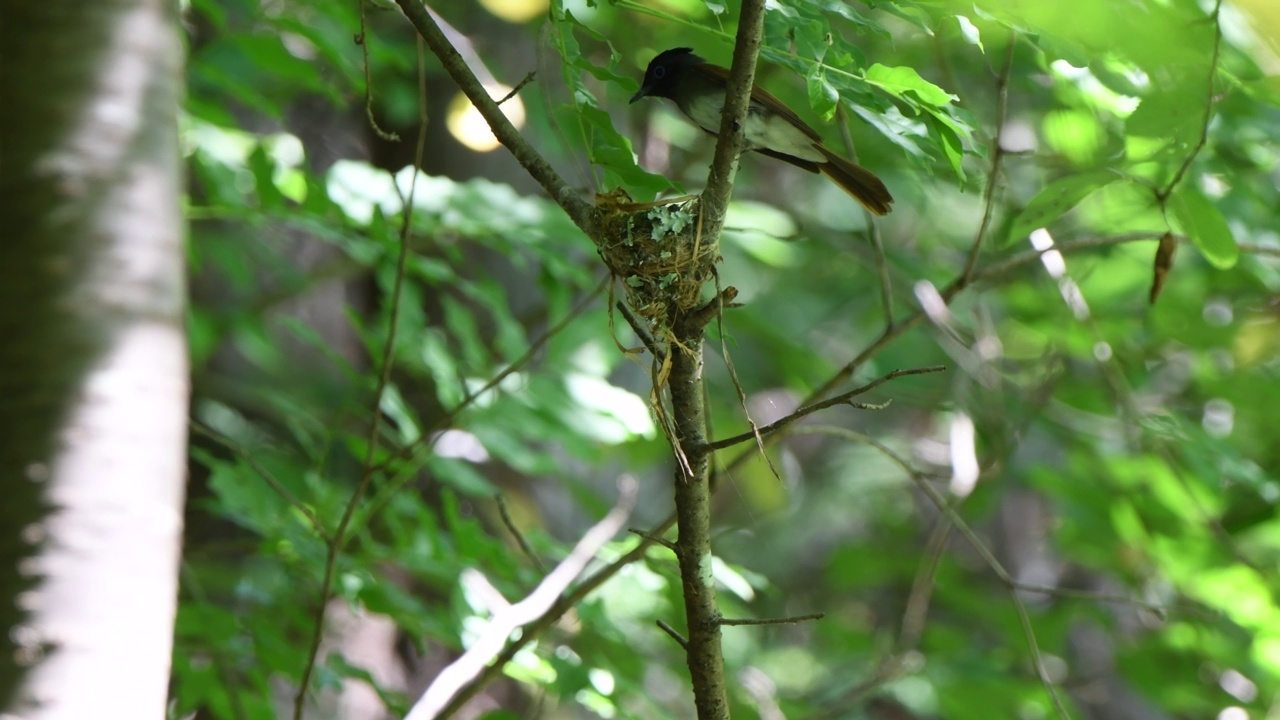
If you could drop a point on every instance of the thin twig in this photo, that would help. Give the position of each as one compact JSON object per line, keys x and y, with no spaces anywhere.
{"x":1163,"y":195}
{"x":1073,"y":594}
{"x":428,"y":438}
{"x":515,"y":532}
{"x":988,"y":557}
{"x":714,"y":307}
{"x":997,"y":156}
{"x":917,"y":610}
{"x":488,"y":646}
{"x":638,"y":328}
{"x":675,"y":635}
{"x":550,"y":617}
{"x":578,"y":210}
{"x":793,"y":620}
{"x":202,"y":429}
{"x":519,"y":86}
{"x":362,"y":41}
{"x":655,"y":539}
{"x":873,"y":228}
{"x":1004,"y":266}
{"x":841,"y":399}
{"x":375,"y":424}
{"x":742,"y":393}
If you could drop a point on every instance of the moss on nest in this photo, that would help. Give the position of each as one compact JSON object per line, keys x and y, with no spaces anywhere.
{"x":658,"y":252}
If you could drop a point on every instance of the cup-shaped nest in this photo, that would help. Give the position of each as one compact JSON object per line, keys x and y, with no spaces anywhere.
{"x":658,"y":251}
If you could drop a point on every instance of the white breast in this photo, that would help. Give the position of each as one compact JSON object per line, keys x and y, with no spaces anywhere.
{"x":762,"y":131}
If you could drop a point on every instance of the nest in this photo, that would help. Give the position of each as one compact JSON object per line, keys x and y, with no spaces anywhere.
{"x":658,"y":252}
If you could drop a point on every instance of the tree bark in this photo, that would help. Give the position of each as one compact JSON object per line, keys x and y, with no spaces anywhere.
{"x":93,"y":365}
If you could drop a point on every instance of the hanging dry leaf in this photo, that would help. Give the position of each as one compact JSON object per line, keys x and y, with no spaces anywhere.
{"x":1164,"y":262}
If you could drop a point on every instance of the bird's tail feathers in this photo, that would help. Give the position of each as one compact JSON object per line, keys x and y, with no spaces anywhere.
{"x":856,"y":180}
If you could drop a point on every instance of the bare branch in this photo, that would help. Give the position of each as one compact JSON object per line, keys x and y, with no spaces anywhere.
{"x":387,"y":360}
{"x":841,"y":399}
{"x":792,"y":620}
{"x":675,"y":635}
{"x":578,"y":210}
{"x":563,"y":605}
{"x":507,"y":620}
{"x":655,"y":539}
{"x":873,"y":228}
{"x":519,"y":86}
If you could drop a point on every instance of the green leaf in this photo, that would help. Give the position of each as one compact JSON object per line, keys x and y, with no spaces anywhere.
{"x":1176,"y":114}
{"x":264,"y":178}
{"x":607,"y":147}
{"x":898,"y":81}
{"x":1265,"y":89}
{"x":1204,"y":224}
{"x":822,"y":95}
{"x":970,"y":32}
{"x":1056,"y":199}
{"x":1077,"y":134}
{"x":611,"y":151}
{"x":948,"y":132}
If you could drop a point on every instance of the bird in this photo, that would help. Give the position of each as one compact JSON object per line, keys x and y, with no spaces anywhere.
{"x":697,"y":87}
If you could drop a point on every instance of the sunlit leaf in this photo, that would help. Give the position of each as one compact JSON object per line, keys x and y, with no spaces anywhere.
{"x":902,"y":80}
{"x":1205,"y":225}
{"x":822,"y":96}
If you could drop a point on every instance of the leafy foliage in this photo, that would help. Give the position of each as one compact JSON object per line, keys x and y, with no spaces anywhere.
{"x":1128,"y":464}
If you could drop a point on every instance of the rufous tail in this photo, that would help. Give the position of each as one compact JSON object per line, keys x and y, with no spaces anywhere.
{"x":856,"y":180}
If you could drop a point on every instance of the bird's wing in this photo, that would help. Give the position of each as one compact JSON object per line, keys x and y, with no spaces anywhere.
{"x":762,"y":97}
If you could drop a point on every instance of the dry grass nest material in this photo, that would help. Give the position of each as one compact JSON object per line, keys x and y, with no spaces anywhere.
{"x":658,"y":252}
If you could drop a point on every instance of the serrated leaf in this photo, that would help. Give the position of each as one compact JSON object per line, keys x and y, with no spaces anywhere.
{"x":1056,"y":199}
{"x":1204,"y":224}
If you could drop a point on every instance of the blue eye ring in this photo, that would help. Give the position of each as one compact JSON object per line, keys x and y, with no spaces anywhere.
{"x":659,"y":72}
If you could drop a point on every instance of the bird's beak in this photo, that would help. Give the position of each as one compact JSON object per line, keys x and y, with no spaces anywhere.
{"x":643,"y":92}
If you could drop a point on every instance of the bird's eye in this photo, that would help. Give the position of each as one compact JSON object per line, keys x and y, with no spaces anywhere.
{"x":659,"y":72}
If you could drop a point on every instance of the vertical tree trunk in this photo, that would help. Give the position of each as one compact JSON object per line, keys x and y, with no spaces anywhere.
{"x":93,"y":369}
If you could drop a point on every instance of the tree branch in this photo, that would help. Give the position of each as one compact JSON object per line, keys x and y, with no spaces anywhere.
{"x":840,"y":399}
{"x":687,"y":386}
{"x":1162,"y":196}
{"x":507,"y":620}
{"x":731,"y":141}
{"x":997,"y":156}
{"x":578,"y":210}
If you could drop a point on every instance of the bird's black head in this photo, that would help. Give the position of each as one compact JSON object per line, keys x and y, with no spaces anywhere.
{"x":664,"y":71}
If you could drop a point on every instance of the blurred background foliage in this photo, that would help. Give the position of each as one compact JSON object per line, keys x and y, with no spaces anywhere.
{"x":1120,"y":456}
